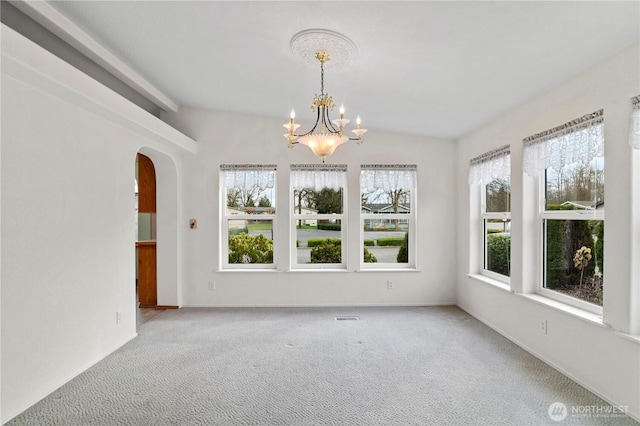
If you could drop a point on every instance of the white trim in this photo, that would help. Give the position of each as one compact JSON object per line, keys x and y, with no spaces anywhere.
{"x":565,"y":300}
{"x":498,"y":283}
{"x":567,"y":308}
{"x":294,"y":266}
{"x":223,"y":260}
{"x":634,"y":229}
{"x":494,"y":276}
{"x":409,"y":217}
{"x":50,"y":18}
{"x":29,"y":63}
{"x":485,"y":216}
{"x":635,"y":338}
{"x":579,"y":379}
{"x":66,"y":379}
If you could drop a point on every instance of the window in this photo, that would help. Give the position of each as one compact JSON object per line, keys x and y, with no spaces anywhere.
{"x":634,"y":141}
{"x":318,"y":219}
{"x":569,"y":161}
{"x":249,"y":218}
{"x":492,"y":171}
{"x":387,"y":206}
{"x":634,"y":125}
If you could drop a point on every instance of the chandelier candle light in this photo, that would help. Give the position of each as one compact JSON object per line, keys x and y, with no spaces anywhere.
{"x":326,"y":135}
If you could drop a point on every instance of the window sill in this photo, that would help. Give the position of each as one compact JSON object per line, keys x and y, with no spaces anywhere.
{"x":632,"y":337}
{"x":248,"y":270}
{"x":491,"y":281}
{"x":388,"y":270}
{"x":567,"y":309}
{"x":317,"y":270}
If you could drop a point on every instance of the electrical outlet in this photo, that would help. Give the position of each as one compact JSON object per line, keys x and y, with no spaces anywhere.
{"x":389,"y":285}
{"x":543,"y":326}
{"x":118,"y":317}
{"x":212,"y":285}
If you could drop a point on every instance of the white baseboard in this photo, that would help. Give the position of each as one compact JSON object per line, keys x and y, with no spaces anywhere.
{"x":65,"y":380}
{"x":634,"y":415}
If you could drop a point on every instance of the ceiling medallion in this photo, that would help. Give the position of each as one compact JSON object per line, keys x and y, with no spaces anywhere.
{"x":306,"y":43}
{"x":324,"y":46}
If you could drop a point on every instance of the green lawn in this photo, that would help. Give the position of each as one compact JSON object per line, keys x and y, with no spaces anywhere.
{"x":259,"y":226}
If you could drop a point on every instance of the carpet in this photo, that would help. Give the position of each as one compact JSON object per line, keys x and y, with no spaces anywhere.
{"x":301,"y":366}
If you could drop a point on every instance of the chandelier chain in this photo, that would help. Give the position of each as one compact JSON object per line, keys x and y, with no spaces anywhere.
{"x":331,"y":133}
{"x":322,"y":78}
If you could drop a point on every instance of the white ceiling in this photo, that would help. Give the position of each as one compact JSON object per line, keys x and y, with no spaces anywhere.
{"x":436,"y":68}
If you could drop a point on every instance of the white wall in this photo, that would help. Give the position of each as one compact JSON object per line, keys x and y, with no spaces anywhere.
{"x":68,"y":166}
{"x":232,"y":138}
{"x":596,"y":355}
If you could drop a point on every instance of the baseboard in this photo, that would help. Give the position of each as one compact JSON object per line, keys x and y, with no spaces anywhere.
{"x":634,"y":415}
{"x":164,"y":307}
{"x":66,"y":380}
{"x":323,"y":305}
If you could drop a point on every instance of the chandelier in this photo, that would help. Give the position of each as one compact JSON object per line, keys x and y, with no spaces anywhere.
{"x":326,"y":135}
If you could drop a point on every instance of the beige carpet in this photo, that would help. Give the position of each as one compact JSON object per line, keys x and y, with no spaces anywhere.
{"x":301,"y":366}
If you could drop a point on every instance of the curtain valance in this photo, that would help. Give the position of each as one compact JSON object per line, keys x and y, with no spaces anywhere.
{"x":249,"y":175}
{"x":490,"y":165}
{"x":388,"y":177}
{"x":318,"y":176}
{"x":578,"y":141}
{"x":634,"y":128}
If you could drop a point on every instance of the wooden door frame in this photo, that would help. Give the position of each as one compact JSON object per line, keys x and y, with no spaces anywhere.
{"x":168,"y":233}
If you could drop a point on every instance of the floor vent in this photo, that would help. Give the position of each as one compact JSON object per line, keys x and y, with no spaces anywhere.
{"x":347,"y":319}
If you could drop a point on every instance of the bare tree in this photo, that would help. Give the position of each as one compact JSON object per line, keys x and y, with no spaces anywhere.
{"x":395,"y":197}
{"x":241,"y":196}
{"x":498,"y":195}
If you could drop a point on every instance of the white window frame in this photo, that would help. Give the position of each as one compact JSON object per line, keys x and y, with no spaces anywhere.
{"x":409,"y":218}
{"x":538,"y":167}
{"x":484,"y":169}
{"x":224,"y":225}
{"x":634,"y":142}
{"x":295,"y":217}
{"x":486,"y":216}
{"x":561,"y":215}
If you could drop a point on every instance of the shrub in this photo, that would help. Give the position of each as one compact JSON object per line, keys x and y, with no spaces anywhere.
{"x":555,"y":275}
{"x":327,"y":252}
{"x":498,"y":254}
{"x":369,"y":243}
{"x":329,"y":226}
{"x":313,"y":242}
{"x":564,"y":237}
{"x":369,"y":257}
{"x":245,"y":248}
{"x":403,"y":253}
{"x":238,"y":231}
{"x":390,"y":241}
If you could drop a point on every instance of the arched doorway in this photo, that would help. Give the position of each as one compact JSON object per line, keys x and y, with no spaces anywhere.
{"x":146,"y":266}
{"x":163,"y":230}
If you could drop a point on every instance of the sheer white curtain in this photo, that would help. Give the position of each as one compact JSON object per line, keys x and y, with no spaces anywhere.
{"x":578,"y":141}
{"x":491,"y":165}
{"x":388,"y":177}
{"x":634,"y":129}
{"x":249,"y":175}
{"x":318,"y":176}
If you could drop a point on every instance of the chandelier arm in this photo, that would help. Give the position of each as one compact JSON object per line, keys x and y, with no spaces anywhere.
{"x":313,"y":128}
{"x":326,"y":120}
